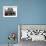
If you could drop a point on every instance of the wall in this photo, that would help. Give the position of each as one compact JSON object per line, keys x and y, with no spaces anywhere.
{"x":29,"y":12}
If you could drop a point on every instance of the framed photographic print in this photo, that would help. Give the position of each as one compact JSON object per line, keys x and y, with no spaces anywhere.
{"x":9,"y":11}
{"x":33,"y":32}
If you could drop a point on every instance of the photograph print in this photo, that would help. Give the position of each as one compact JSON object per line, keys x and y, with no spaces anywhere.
{"x":9,"y":11}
